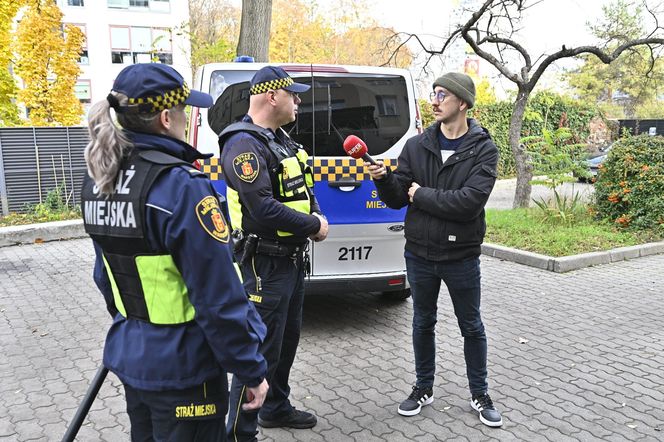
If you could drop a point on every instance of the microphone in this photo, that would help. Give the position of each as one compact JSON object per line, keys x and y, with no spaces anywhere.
{"x":357,"y":148}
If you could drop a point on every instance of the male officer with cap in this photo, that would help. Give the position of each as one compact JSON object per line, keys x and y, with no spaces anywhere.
{"x":181,"y":318}
{"x":445,"y":177}
{"x":273,"y":214}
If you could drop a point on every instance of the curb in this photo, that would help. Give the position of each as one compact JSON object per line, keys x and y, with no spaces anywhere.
{"x":62,"y":230}
{"x":41,"y":232}
{"x":574,"y":262}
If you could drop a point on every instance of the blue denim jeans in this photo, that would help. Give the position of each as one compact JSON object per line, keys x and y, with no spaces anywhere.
{"x":462,"y":279}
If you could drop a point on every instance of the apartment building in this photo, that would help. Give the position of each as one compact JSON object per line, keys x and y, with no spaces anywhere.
{"x":123,"y":32}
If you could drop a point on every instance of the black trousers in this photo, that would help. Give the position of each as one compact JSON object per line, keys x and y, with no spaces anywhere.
{"x":276,"y":287}
{"x":193,"y":414}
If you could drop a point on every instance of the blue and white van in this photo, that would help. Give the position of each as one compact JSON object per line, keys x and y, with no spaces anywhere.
{"x":364,"y":248}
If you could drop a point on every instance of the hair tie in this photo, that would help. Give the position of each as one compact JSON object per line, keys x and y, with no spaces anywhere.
{"x":113,"y":101}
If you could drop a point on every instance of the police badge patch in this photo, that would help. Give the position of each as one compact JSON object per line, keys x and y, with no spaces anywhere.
{"x":246,"y":166}
{"x":210,"y":216}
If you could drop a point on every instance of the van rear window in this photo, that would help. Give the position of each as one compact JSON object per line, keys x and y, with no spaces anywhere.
{"x":373,"y":107}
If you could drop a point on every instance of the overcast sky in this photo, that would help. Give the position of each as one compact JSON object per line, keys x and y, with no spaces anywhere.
{"x":546,"y":27}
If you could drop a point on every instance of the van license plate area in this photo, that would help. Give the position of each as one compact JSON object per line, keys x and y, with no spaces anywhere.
{"x":359,"y":249}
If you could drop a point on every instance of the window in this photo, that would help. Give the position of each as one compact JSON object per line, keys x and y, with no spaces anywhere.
{"x":75,"y":3}
{"x":369,"y":106}
{"x":140,"y":45}
{"x":83,"y":91}
{"x":160,"y":5}
{"x":153,"y":5}
{"x":118,"y":3}
{"x":387,"y":105}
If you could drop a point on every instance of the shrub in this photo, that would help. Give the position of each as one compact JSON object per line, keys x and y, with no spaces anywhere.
{"x":630,"y":184}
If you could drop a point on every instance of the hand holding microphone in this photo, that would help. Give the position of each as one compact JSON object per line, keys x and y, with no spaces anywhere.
{"x":357,"y":148}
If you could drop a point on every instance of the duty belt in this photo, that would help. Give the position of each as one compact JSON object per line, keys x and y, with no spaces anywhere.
{"x":275,"y":248}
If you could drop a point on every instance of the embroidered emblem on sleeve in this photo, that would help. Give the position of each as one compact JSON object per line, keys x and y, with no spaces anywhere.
{"x":246,"y":166}
{"x":210,"y":216}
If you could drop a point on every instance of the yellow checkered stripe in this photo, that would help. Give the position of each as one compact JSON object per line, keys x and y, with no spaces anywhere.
{"x":160,"y":102}
{"x":212,"y":168}
{"x":333,"y":169}
{"x":279,"y":83}
{"x":325,"y":169}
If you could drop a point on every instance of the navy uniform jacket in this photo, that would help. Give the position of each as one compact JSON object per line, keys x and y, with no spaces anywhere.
{"x":226,"y":332}
{"x":262,"y":214}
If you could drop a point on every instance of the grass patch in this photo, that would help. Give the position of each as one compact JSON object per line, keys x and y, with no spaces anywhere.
{"x":19,"y":219}
{"x":526,"y":229}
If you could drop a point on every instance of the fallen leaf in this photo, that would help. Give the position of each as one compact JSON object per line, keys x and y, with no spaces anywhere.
{"x":43,"y":334}
{"x":38,"y":240}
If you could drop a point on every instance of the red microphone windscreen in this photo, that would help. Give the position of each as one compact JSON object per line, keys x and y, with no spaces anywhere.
{"x":355,"y":147}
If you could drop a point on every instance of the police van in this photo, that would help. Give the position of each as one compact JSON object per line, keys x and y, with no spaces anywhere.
{"x":364,"y":248}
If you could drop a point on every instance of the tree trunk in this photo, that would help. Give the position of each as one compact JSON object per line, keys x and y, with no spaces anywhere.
{"x":524,"y":170}
{"x":255,"y":29}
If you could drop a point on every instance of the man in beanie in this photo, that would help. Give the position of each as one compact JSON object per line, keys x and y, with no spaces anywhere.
{"x":273,"y":214}
{"x":445,"y":177}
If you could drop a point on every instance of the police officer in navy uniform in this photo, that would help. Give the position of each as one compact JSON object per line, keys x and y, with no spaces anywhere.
{"x":273,"y":214}
{"x":181,"y":317}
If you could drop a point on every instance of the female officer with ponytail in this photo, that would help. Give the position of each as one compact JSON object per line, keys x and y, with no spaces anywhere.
{"x":181,"y":318}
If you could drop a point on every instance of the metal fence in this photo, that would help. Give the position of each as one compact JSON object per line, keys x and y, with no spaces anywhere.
{"x":36,"y":160}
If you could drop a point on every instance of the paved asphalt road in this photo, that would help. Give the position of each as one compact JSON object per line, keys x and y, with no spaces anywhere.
{"x":574,"y":356}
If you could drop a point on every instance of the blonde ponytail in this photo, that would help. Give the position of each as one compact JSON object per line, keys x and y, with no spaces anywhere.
{"x":107,"y":146}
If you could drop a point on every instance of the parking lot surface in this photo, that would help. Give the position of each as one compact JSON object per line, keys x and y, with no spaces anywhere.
{"x":574,"y":356}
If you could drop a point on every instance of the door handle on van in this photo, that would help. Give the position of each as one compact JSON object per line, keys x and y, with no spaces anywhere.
{"x":345,"y":183}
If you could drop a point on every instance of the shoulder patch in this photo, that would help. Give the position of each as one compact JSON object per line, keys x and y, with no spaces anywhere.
{"x":212,"y":219}
{"x":246,"y":166}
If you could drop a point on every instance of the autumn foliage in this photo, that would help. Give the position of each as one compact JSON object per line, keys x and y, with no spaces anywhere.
{"x":630,"y":183}
{"x":8,"y":89}
{"x":46,"y":62}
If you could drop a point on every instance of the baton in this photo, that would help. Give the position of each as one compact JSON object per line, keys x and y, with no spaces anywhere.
{"x":83,"y":409}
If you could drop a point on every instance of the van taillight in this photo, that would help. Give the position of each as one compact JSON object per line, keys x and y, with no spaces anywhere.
{"x":194,"y":123}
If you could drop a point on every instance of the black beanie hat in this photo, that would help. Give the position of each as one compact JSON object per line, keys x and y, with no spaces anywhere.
{"x":460,"y":85}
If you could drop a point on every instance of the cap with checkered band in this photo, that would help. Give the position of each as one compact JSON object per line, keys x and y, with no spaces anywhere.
{"x":273,"y":78}
{"x":153,"y":87}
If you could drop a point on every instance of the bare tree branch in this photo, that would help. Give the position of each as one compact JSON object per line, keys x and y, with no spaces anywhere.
{"x":491,"y":33}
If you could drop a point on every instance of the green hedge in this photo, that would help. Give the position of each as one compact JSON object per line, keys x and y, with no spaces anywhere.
{"x":545,"y":110}
{"x":630,"y":185}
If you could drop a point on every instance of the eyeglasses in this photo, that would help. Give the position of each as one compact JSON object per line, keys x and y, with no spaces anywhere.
{"x":294,"y":95}
{"x":439,"y":96}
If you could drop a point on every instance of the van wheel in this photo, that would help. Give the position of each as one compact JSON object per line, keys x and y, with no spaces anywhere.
{"x":397,"y":295}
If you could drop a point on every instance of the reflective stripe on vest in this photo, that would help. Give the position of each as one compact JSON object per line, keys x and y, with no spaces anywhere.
{"x":294,"y":175}
{"x":146,"y":284}
{"x":164,"y":290}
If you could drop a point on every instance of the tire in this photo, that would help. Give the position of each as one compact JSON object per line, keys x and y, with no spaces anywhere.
{"x":397,"y":295}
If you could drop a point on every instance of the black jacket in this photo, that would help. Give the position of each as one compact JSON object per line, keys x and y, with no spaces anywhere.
{"x":446,"y":219}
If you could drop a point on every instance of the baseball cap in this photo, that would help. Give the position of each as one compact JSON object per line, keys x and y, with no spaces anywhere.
{"x":274,"y":77}
{"x":153,"y":87}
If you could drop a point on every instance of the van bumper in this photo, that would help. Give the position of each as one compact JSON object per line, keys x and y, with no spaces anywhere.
{"x":374,"y":282}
